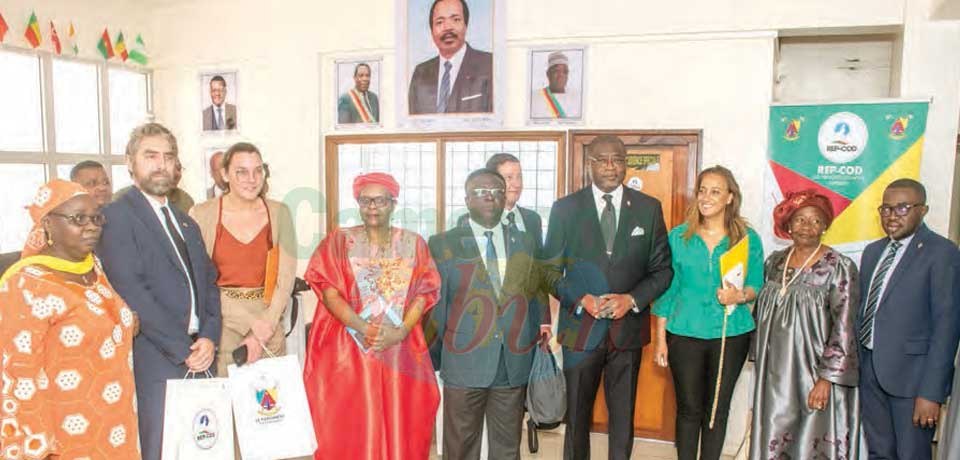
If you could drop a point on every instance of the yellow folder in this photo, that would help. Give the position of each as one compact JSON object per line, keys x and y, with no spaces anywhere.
{"x":733,"y":266}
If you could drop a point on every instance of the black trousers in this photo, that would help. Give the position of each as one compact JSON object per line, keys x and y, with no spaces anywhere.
{"x":694,"y":364}
{"x":620,"y":370}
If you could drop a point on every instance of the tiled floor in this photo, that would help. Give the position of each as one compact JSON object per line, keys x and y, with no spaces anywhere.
{"x":551,"y":448}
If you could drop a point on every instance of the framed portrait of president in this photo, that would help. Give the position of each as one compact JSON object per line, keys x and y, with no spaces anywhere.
{"x":450,"y":62}
{"x":358,"y":93}
{"x":556,"y":85}
{"x":218,"y":102}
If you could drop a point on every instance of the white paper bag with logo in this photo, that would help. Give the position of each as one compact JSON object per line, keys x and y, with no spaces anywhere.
{"x":197,"y":420}
{"x":270,"y":409}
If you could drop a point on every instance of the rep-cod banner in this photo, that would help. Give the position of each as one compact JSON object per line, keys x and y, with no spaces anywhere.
{"x":848,"y":152}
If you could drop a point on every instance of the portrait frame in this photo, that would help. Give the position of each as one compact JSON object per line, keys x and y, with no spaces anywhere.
{"x":544,"y":108}
{"x":343,"y":82}
{"x":231,"y":102}
{"x":479,"y":81}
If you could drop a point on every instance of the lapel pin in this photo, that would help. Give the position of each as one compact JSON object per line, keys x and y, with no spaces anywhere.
{"x":628,"y":202}
{"x":920,"y":245}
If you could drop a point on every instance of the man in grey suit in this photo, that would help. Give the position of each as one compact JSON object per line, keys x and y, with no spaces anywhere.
{"x":359,"y":104}
{"x":484,"y":329}
{"x":154,"y":256}
{"x":219,"y":116}
{"x":460,"y":78}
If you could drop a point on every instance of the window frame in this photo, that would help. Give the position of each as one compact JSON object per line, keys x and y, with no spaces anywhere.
{"x":331,"y":162}
{"x":48,"y":155}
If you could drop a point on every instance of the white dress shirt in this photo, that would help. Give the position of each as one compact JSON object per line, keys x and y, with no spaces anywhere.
{"x":517,"y":218}
{"x":157,"y":206}
{"x":457,"y":61}
{"x":886,"y":277}
{"x":498,"y":244}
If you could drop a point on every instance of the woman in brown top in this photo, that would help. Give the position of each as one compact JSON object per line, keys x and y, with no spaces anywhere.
{"x":251,"y":241}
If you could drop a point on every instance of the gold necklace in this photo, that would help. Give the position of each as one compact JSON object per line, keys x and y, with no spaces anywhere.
{"x":796,"y":274}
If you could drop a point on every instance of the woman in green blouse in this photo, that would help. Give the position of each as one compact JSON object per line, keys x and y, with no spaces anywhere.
{"x":690,"y":314}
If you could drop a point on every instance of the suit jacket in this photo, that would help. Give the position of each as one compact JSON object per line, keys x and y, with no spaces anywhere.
{"x":577,"y":264}
{"x":471,"y":93}
{"x":143,"y":267}
{"x":229,"y":117}
{"x":471,"y":326}
{"x":347,"y":113}
{"x":917,"y":323}
{"x":531,"y":224}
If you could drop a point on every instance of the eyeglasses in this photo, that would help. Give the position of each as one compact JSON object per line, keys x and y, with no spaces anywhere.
{"x":379,"y":201}
{"x":609,"y":161}
{"x":900,"y":210}
{"x":487,"y":192}
{"x":81,"y":220}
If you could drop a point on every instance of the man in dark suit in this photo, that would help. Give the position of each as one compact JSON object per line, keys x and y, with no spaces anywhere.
{"x":608,"y":259}
{"x":909,"y":325}
{"x":359,"y":104}
{"x":219,"y":115}
{"x":486,"y":326}
{"x":154,"y":257}
{"x":460,"y":78}
{"x":521,"y":219}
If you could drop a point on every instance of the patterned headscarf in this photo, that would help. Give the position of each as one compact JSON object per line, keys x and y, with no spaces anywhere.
{"x":795,"y":201}
{"x":49,"y":196}
{"x":377,"y":178}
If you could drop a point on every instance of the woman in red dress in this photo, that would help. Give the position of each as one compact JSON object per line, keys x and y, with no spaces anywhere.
{"x":372,"y":391}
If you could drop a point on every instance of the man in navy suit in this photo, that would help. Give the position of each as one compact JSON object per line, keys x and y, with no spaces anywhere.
{"x":608,"y":259}
{"x":486,"y":325}
{"x":154,"y":257}
{"x":460,"y":78}
{"x":909,"y":325}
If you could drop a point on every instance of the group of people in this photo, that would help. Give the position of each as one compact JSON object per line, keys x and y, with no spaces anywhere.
{"x":111,"y":299}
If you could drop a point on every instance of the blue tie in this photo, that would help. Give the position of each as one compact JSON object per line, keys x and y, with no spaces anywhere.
{"x":873,"y":298}
{"x":493,"y":269}
{"x":444,"y":88}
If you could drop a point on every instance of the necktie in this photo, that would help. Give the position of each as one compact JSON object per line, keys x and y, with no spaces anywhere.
{"x":181,"y":247}
{"x":493,"y":268}
{"x":219,"y":117}
{"x":512,"y":221}
{"x":873,"y":298}
{"x":608,"y":222}
{"x":444,"y":88}
{"x":366,"y":105}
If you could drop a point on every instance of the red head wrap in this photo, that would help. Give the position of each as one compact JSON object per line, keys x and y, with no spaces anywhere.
{"x":376,"y":178}
{"x":794,"y":201}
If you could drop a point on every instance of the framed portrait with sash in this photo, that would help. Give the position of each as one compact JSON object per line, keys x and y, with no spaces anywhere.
{"x":557,"y":83}
{"x":358,"y":93}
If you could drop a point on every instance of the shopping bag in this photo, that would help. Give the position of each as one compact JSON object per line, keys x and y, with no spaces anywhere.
{"x":270,"y":409}
{"x":197,"y":420}
{"x":546,"y":389}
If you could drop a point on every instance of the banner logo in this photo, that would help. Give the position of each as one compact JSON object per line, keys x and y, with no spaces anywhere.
{"x":898,"y":129}
{"x":205,"y":429}
{"x":842,"y":137}
{"x":792,"y":132}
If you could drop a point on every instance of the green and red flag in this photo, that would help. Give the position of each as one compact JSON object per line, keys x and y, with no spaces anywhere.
{"x":3,"y":28}
{"x":32,"y":34}
{"x":139,"y":54}
{"x":55,"y":39}
{"x":104,"y":45}
{"x":121,"y":48}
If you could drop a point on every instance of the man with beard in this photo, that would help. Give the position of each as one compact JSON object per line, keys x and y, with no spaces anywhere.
{"x":219,"y":115}
{"x":359,"y":104}
{"x":460,"y":79}
{"x":178,"y":197}
{"x":154,"y":256}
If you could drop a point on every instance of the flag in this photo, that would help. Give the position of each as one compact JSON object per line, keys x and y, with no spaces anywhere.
{"x":55,"y":39}
{"x":32,"y":34}
{"x":72,"y":39}
{"x":3,"y":28}
{"x":138,"y":54}
{"x":104,"y":46}
{"x":121,"y":48}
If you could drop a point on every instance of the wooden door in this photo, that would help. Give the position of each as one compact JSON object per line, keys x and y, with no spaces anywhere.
{"x":662,"y":164}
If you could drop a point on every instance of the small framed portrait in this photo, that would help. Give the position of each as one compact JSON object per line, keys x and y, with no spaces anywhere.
{"x":213,"y":183}
{"x":450,"y":59}
{"x":218,"y":101}
{"x":557,"y":85}
{"x":358,"y":90}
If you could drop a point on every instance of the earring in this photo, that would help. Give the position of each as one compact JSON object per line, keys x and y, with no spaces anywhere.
{"x":49,"y":238}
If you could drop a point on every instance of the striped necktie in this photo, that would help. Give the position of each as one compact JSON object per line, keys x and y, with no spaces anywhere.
{"x":873,"y":297}
{"x":444,"y":88}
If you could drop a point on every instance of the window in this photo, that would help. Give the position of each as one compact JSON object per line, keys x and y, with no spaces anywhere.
{"x":56,"y":112}
{"x":414,"y":161}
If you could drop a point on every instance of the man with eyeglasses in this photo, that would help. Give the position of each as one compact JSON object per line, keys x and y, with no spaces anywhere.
{"x":908,"y":326}
{"x":607,"y":260}
{"x":484,"y":329}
